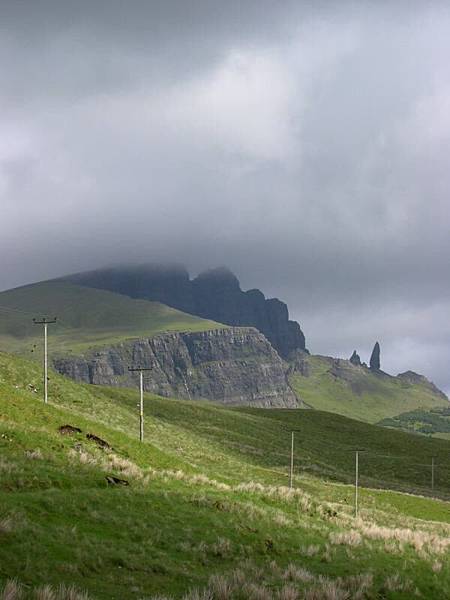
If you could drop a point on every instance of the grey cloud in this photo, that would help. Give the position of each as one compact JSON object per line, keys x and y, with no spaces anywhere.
{"x":303,"y":144}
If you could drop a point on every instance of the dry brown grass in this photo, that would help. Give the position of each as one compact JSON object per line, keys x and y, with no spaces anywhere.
{"x":358,"y":585}
{"x":220,"y":588}
{"x":311,"y":550}
{"x":436,"y":566}
{"x":327,"y":590}
{"x":123,"y":466}
{"x":85,"y":458}
{"x":195,"y":595}
{"x":394,"y":583}
{"x":255,"y":591}
{"x":6,"y":524}
{"x":297,"y":573}
{"x":45,"y":592}
{"x":11,"y":591}
{"x":251,"y":582}
{"x":238,"y":578}
{"x":6,"y":466}
{"x":197,"y":479}
{"x":283,"y":493}
{"x":288,"y":592}
{"x":107,"y":462}
{"x":34,"y":454}
{"x":422,"y":542}
{"x":63,"y":592}
{"x":221,"y":548}
{"x":346,"y":538}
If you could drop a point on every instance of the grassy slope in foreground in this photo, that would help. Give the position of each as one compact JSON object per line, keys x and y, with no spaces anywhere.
{"x":243,"y":443}
{"x":86,"y":317}
{"x":357,"y":393}
{"x":188,"y":513}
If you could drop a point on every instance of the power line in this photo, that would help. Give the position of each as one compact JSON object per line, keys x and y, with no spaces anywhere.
{"x":348,"y":449}
{"x":17,"y":310}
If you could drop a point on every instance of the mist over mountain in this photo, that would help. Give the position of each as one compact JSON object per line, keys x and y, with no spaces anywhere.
{"x":214,"y":294}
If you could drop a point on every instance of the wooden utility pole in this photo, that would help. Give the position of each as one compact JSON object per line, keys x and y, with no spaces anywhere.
{"x":432,"y":473}
{"x":291,"y":472}
{"x":45,"y":322}
{"x":140,"y":370}
{"x":291,"y":464}
{"x":356,"y":481}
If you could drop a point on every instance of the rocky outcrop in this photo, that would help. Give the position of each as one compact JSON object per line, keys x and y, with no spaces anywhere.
{"x":299,"y":363}
{"x":215,"y":294}
{"x":218,"y":296}
{"x":374,"y":363}
{"x":233,"y":366}
{"x":413,"y":378}
{"x":355,"y":359}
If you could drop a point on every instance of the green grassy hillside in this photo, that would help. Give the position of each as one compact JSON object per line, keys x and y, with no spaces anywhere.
{"x":221,"y":437}
{"x":338,"y":386}
{"x":206,"y":507}
{"x":86,"y":317}
{"x":434,"y":422}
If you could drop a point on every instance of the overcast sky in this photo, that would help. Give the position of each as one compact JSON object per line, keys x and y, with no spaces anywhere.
{"x":306,"y":145}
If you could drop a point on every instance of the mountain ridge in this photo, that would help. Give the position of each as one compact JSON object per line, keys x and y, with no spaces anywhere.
{"x":214,"y":294}
{"x":96,"y":328}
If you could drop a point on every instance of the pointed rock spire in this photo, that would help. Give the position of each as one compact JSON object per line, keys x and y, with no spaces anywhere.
{"x":375,"y":358}
{"x":355,"y":359}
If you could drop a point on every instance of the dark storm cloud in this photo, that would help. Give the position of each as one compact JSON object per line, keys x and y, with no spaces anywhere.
{"x":303,"y":144}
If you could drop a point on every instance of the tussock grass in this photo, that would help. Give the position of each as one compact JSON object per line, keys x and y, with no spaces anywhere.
{"x":6,"y":524}
{"x":395,"y":583}
{"x":294,"y":583}
{"x":287,"y":592}
{"x":6,"y":466}
{"x":422,"y":542}
{"x":311,"y":550}
{"x":297,"y":573}
{"x":12,"y":590}
{"x":346,"y":538}
{"x":34,"y":454}
{"x":62,"y":592}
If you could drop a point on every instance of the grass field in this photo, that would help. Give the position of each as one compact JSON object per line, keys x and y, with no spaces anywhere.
{"x":86,"y":318}
{"x":207,"y":507}
{"x":356,"y":392}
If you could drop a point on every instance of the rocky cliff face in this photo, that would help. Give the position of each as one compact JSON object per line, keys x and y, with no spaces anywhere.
{"x":233,"y":366}
{"x":417,"y":379}
{"x":215,"y":295}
